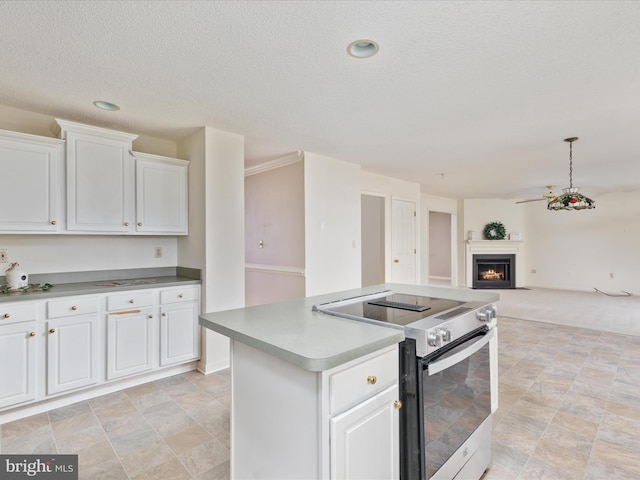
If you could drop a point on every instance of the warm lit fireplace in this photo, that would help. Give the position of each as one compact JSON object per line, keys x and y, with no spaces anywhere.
{"x":494,"y":271}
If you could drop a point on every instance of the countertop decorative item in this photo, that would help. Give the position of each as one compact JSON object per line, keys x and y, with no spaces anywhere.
{"x":494,"y":231}
{"x":16,"y":277}
{"x":30,"y":287}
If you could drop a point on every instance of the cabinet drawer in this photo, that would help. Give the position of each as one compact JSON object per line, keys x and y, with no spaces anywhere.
{"x":17,"y":312}
{"x":182,"y":294}
{"x":122,"y":301}
{"x":357,"y":383}
{"x":72,"y":306}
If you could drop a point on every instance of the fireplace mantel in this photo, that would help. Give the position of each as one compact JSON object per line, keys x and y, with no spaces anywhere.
{"x":515,"y":247}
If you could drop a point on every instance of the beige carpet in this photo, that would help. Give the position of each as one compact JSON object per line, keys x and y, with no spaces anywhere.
{"x":593,"y":310}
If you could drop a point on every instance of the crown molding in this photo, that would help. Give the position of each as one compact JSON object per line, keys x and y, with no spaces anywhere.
{"x":290,"y":159}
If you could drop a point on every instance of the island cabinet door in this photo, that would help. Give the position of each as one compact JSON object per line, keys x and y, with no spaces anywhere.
{"x":364,"y":439}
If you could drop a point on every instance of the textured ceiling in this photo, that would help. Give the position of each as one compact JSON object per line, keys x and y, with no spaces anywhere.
{"x":470,"y":99}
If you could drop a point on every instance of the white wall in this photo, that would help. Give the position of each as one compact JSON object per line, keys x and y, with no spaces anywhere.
{"x":477,"y":213}
{"x":332,"y":224}
{"x":216,"y":241}
{"x":81,"y":253}
{"x":579,"y":250}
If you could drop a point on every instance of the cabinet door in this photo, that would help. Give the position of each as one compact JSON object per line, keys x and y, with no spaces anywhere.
{"x":72,"y":353}
{"x":179,"y":333}
{"x":32,"y":168}
{"x":365,"y":440}
{"x":161,"y":194}
{"x":129,"y":342}
{"x":17,"y":363}
{"x":99,"y":184}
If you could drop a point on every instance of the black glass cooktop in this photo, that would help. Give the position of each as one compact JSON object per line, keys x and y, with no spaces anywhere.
{"x":397,"y":308}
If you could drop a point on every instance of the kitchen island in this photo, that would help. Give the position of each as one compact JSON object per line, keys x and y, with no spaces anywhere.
{"x":313,"y":395}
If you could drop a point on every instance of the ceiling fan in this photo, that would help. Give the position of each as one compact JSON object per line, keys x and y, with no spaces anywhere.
{"x":547,"y":196}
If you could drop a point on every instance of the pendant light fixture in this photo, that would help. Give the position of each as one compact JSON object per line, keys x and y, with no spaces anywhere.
{"x":571,"y":199}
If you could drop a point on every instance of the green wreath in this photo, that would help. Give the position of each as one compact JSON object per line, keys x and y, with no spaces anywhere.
{"x":494,"y":231}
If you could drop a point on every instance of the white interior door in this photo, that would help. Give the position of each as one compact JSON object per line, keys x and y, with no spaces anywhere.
{"x":403,"y":241}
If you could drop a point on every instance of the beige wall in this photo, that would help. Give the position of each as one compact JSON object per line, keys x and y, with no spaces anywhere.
{"x":373,"y":245}
{"x":274,"y":234}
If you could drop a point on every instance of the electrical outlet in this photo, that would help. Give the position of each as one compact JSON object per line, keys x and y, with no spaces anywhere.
{"x":158,"y":252}
{"x":4,"y":256}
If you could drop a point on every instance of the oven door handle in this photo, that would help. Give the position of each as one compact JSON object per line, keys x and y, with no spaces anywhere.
{"x":451,"y":360}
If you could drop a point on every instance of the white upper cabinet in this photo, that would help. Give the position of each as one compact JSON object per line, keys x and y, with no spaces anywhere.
{"x":111,"y":189}
{"x":161,"y":194}
{"x":32,"y":169}
{"x":99,"y":178}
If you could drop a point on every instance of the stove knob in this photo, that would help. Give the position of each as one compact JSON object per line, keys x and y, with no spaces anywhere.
{"x":484,"y":315}
{"x":435,"y":339}
{"x":446,"y":334}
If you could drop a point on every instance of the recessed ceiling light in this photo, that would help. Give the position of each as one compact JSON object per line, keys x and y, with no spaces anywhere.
{"x":106,"y":105}
{"x":363,"y":48}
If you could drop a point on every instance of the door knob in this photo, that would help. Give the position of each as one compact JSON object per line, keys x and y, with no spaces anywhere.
{"x":53,"y":330}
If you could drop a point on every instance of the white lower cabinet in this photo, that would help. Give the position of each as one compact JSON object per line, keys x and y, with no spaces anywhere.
{"x":68,"y":344}
{"x":179,"y":328}
{"x":72,"y":353}
{"x":17,"y":363}
{"x":130,"y":342}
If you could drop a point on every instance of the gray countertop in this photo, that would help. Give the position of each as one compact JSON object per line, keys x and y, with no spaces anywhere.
{"x":88,"y":283}
{"x":316,"y":341}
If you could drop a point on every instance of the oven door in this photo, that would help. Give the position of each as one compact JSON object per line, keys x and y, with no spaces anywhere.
{"x":454,"y":390}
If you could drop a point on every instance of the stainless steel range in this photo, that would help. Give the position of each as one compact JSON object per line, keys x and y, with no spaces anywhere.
{"x":448,"y":379}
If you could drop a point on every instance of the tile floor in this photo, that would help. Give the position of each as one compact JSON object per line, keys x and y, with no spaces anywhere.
{"x":569,"y":404}
{"x":569,"y":409}
{"x":176,"y":428}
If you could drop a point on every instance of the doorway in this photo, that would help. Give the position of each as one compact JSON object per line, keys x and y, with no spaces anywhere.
{"x":440,"y":251}
{"x":373,"y":240}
